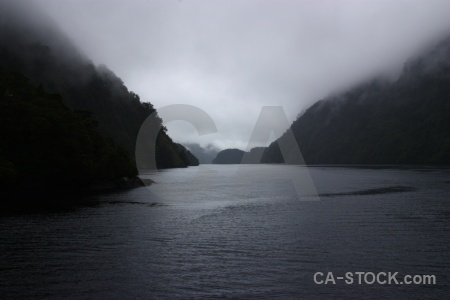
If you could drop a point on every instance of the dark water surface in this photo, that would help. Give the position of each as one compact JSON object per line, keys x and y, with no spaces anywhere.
{"x":214,"y":234}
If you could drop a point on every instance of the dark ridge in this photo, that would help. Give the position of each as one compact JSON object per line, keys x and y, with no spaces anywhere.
{"x":67,"y":127}
{"x":229,"y":156}
{"x":34,"y":46}
{"x":236,"y":156}
{"x":379,"y":121}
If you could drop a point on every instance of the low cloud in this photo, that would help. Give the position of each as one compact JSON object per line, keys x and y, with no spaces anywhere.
{"x":230,"y":58}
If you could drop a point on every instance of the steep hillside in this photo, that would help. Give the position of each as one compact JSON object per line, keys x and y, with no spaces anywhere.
{"x":32,"y":45}
{"x":45,"y":146}
{"x":381,"y":122}
{"x":187,"y":156}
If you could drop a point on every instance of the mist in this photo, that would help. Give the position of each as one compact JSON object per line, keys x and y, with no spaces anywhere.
{"x":231,"y":58}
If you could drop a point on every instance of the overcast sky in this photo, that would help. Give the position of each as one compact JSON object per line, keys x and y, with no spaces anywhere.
{"x":231,"y":57}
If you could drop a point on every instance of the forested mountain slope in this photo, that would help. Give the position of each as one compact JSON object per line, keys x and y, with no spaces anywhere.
{"x":64,"y":120}
{"x":32,"y":45}
{"x":382,"y":122}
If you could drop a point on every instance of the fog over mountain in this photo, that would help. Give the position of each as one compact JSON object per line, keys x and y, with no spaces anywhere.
{"x":204,"y":154}
{"x":65,"y":123}
{"x":379,"y":122}
{"x":230,"y":58}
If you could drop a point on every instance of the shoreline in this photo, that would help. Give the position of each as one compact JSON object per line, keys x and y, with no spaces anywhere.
{"x":35,"y":199}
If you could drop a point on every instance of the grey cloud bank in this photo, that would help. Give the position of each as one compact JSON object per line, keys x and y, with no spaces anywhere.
{"x":230,"y":58}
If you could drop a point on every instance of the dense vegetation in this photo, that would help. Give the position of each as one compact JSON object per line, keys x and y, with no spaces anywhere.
{"x":65,"y":122}
{"x":382,"y":122}
{"x":45,"y":145}
{"x":187,"y":157}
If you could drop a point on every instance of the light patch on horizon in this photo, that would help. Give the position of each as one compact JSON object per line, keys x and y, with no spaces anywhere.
{"x":231,"y":58}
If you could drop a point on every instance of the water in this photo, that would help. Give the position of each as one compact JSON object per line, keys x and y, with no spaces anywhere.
{"x":214,"y":234}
